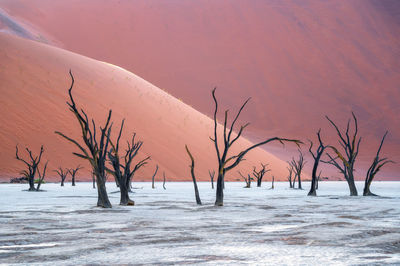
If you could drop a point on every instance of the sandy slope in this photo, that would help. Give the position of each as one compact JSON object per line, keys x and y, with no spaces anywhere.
{"x":34,"y":82}
{"x":299,"y":60}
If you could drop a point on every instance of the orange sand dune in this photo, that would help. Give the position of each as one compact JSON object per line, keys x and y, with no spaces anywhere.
{"x":299,"y":60}
{"x":34,"y":82}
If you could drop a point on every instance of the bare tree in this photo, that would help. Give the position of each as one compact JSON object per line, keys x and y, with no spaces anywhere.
{"x":72,"y":172}
{"x":291,"y":171}
{"x":259,"y":174}
{"x":196,"y":190}
{"x":272,"y":183}
{"x":317,"y":157}
{"x":122,"y":172}
{"x":212,"y":174}
{"x":223,"y":158}
{"x":318,"y":179}
{"x":96,"y":149}
{"x":298,"y":165}
{"x":94,"y":180}
{"x":375,"y":167}
{"x":164,"y":180}
{"x":62,"y":173}
{"x":41,"y":176}
{"x":153,"y":177}
{"x":247,"y":179}
{"x":350,"y":146}
{"x":33,"y":166}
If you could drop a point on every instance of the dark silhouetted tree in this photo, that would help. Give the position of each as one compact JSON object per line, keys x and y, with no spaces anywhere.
{"x":259,"y":174}
{"x":226,"y":162}
{"x":212,"y":174}
{"x":291,"y":171}
{"x":298,"y":165}
{"x":153,"y":177}
{"x":72,"y":172}
{"x":345,"y":161}
{"x":122,"y":171}
{"x":247,"y":179}
{"x":62,"y":173}
{"x":96,"y":148}
{"x":196,"y":190}
{"x":376,"y":165}
{"x":317,"y":157}
{"x":33,"y":166}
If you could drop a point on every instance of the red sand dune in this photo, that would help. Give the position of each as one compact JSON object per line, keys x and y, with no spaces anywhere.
{"x":34,"y":83}
{"x":299,"y":60}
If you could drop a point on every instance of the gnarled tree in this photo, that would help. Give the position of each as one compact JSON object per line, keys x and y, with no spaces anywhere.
{"x":298,"y":165}
{"x":345,"y":161}
{"x":259,"y":174}
{"x":196,"y":190}
{"x":62,"y":173}
{"x":317,"y":157}
{"x":376,"y":165}
{"x":33,"y":166}
{"x":72,"y":172}
{"x":122,"y":172}
{"x":96,"y":149}
{"x":225,"y":161}
{"x":247,"y":179}
{"x":291,"y":171}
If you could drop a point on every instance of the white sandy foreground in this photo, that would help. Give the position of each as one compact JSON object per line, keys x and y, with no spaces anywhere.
{"x":256,"y":226}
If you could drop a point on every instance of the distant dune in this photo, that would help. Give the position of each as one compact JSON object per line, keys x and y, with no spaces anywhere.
{"x":299,"y":60}
{"x":34,"y":83}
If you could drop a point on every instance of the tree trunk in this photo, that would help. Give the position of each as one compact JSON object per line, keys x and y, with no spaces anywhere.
{"x":102,"y":200}
{"x":152,"y":183}
{"x":352,"y":185}
{"x":31,"y":184}
{"x":94,"y":181}
{"x":73,"y":181}
{"x":212,"y":183}
{"x":259,"y":180}
{"x":125,"y":200}
{"x":299,"y":182}
{"x":196,"y":190}
{"x":219,"y":201}
{"x":62,"y":182}
{"x":314,"y":180}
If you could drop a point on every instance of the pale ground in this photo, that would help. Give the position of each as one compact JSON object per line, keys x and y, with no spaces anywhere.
{"x":256,"y":226}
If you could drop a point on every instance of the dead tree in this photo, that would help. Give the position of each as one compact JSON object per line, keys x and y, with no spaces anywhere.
{"x":153,"y":177}
{"x":94,"y":180}
{"x":96,"y":149}
{"x":228,"y":141}
{"x":350,"y":145}
{"x":290,"y":169}
{"x":272,"y":184}
{"x":376,"y":165}
{"x":298,"y":166}
{"x":122,"y":171}
{"x":317,"y":157}
{"x":212,"y":174}
{"x":62,"y":173}
{"x":259,"y":174}
{"x":72,"y":172}
{"x":33,"y":166}
{"x":247,"y":179}
{"x":164,"y":180}
{"x":196,"y":190}
{"x":41,"y":176}
{"x":318,"y":179}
